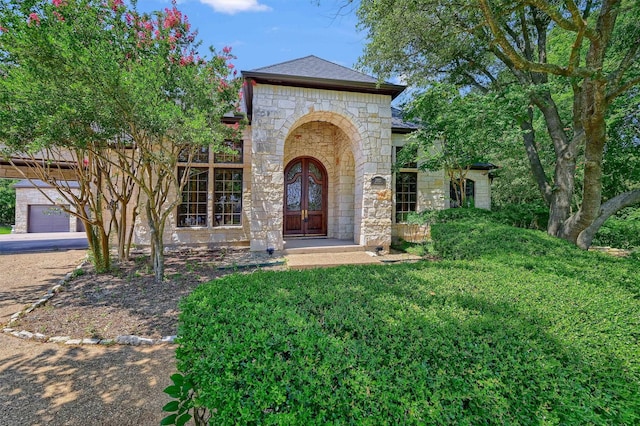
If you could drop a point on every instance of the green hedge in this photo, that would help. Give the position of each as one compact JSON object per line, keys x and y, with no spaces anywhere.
{"x":621,"y":230}
{"x":525,"y":330}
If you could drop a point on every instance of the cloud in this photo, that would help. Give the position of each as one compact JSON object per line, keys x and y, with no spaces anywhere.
{"x":232,"y":7}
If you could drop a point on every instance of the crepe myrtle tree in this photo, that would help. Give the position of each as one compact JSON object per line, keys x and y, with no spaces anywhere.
{"x":498,"y":45}
{"x":126,"y":90}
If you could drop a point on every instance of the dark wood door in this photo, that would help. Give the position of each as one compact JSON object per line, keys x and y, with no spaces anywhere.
{"x":305,"y":198}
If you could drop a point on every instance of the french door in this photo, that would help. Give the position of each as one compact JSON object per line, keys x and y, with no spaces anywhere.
{"x":305,"y":198}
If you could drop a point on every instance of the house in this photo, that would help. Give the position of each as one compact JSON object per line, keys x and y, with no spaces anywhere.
{"x":315,"y":162}
{"x":36,"y":213}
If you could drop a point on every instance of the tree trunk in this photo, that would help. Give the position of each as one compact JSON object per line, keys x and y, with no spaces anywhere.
{"x":529,"y":138}
{"x":157,"y":245}
{"x":609,"y":208}
{"x":595,"y":139}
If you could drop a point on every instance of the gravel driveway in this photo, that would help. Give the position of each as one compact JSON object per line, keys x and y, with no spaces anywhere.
{"x":51,"y":384}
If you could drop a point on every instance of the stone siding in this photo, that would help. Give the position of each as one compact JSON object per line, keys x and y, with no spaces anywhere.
{"x":365,"y":121}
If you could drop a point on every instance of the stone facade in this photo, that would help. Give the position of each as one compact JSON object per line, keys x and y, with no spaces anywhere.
{"x":317,"y":111}
{"x":330,"y":126}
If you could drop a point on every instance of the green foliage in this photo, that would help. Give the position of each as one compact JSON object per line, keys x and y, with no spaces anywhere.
{"x":182,"y":392}
{"x":87,"y":80}
{"x":621,"y":230}
{"x":7,"y":202}
{"x":513,"y":334}
{"x":523,"y":215}
{"x":5,"y":230}
{"x":449,"y":137}
{"x":557,"y":89}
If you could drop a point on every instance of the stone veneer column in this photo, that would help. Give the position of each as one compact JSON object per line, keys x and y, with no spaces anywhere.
{"x":376,"y":199}
{"x":267,"y":174}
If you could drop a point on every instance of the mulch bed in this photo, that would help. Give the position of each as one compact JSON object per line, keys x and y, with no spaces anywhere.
{"x":127,"y":301}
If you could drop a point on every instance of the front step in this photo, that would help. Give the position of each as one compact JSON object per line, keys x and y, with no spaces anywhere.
{"x":329,"y":259}
{"x":323,"y":249}
{"x":319,"y":246}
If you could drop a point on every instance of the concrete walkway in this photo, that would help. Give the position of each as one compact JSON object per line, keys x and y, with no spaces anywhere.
{"x":35,"y":242}
{"x":328,"y":252}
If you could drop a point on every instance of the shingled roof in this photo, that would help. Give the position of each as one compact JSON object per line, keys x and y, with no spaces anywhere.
{"x":398,"y":123}
{"x":316,"y":73}
{"x":314,"y":67}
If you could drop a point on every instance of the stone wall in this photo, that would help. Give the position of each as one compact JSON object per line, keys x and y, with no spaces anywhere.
{"x":365,"y":120}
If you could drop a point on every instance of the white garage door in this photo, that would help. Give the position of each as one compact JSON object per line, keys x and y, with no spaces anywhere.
{"x":47,"y":218}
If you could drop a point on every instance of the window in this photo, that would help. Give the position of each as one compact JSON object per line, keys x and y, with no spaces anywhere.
{"x":406,"y":158}
{"x":212,"y":196}
{"x":227,"y":196}
{"x":231,"y":157}
{"x":469,"y":193}
{"x":406,"y":194}
{"x":201,"y":155}
{"x":192,"y":211}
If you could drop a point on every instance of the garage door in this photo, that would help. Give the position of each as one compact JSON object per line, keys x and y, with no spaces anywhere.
{"x":47,"y":218}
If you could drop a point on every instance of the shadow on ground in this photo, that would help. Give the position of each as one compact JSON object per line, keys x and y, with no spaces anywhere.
{"x":48,"y":384}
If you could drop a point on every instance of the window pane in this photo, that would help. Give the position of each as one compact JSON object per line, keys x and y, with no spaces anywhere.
{"x":200,"y":154}
{"x":405,"y":160}
{"x":233,"y":157}
{"x":295,"y":169}
{"x":406,"y":194}
{"x":193,"y":209}
{"x":227,"y":197}
{"x":469,"y":193}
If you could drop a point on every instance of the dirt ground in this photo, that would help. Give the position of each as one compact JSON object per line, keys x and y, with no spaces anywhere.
{"x":128,"y":301}
{"x":51,"y":384}
{"x":56,"y":384}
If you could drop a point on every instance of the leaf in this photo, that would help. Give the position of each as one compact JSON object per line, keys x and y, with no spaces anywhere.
{"x":169,"y":420}
{"x":177,"y":379}
{"x":183,"y":419}
{"x":173,"y":391}
{"x":171,"y":406}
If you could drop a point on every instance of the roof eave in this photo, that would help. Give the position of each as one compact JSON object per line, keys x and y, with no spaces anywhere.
{"x":393,"y":90}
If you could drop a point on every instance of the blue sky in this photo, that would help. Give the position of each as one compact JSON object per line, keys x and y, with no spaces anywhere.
{"x":267,"y":32}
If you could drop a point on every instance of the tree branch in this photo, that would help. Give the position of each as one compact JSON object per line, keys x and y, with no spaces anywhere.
{"x":517,"y":59}
{"x":607,"y":209}
{"x":621,"y":89}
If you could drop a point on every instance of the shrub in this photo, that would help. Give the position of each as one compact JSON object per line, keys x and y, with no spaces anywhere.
{"x":7,"y":201}
{"x":621,"y":230}
{"x":528,"y":330}
{"x":524,"y":215}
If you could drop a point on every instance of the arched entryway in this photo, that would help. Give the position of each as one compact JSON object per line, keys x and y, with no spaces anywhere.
{"x":305,"y":198}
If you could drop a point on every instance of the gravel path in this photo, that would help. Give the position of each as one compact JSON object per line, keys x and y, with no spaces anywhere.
{"x":50,"y":384}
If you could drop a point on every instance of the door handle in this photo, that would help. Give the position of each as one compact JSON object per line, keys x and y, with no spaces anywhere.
{"x":305,"y":215}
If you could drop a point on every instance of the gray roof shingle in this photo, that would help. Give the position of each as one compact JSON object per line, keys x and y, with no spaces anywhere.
{"x":314,"y":67}
{"x":399,"y":124}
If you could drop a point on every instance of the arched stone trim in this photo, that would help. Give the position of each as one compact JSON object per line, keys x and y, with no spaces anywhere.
{"x":341,"y":119}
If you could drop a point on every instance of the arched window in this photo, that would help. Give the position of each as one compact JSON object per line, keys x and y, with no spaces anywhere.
{"x":469,"y":193}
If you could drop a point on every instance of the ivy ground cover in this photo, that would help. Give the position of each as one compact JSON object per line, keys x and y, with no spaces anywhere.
{"x":521,"y":329}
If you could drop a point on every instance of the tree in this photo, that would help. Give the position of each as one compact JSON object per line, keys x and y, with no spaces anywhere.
{"x":7,"y":201}
{"x":450,"y":137}
{"x":124,"y":94}
{"x":507,"y":46}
